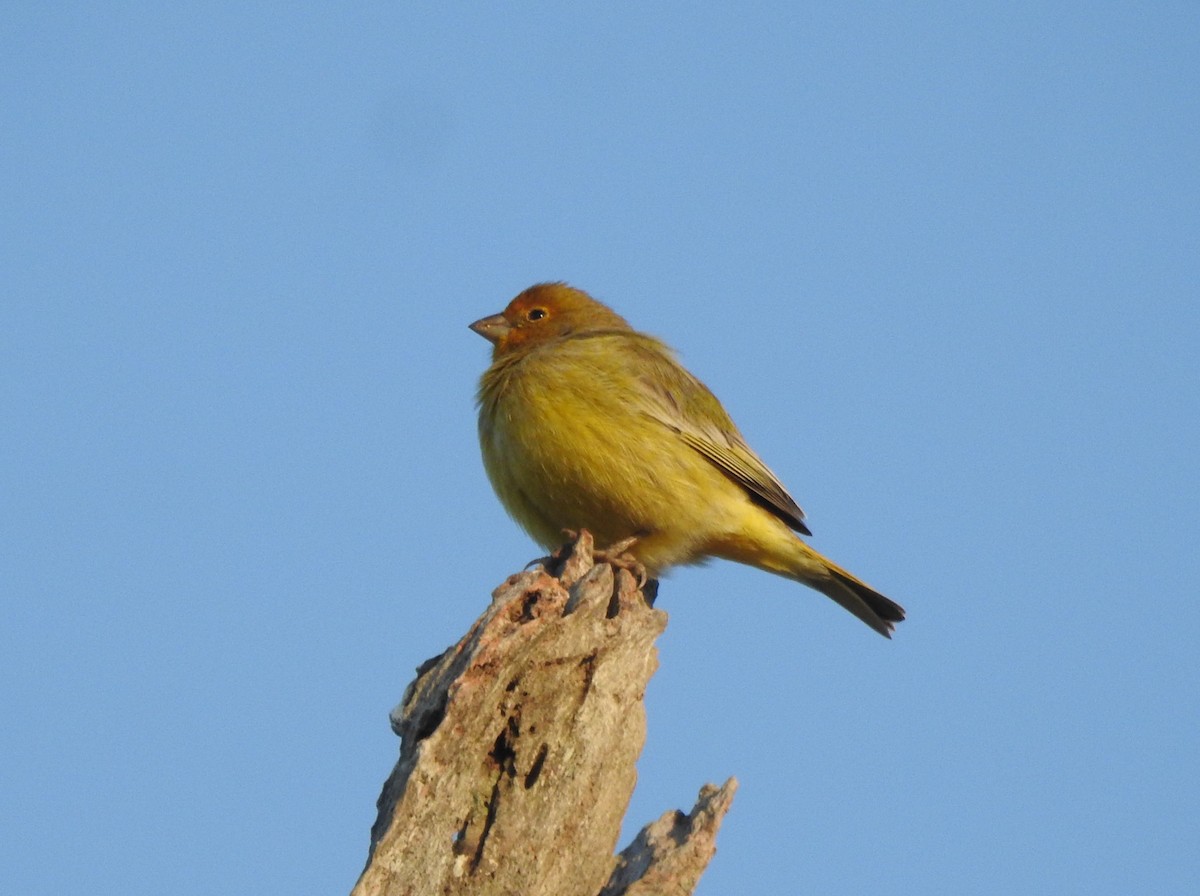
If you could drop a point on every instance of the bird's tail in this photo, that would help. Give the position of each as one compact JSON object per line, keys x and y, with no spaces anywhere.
{"x":877,"y":611}
{"x":763,"y":543}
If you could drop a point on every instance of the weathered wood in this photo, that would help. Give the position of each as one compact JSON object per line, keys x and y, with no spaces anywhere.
{"x":518,"y":748}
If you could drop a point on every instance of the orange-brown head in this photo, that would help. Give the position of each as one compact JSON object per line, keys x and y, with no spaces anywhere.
{"x":544,"y":312}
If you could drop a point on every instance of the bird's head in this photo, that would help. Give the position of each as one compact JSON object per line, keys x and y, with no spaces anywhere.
{"x":544,"y":312}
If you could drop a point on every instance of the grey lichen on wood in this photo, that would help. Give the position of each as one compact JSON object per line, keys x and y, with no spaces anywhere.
{"x":518,"y":748}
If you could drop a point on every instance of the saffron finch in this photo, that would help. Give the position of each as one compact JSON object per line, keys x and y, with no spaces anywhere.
{"x":586,"y":423}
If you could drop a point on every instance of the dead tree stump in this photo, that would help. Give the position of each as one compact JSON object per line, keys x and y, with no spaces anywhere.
{"x":518,"y":748}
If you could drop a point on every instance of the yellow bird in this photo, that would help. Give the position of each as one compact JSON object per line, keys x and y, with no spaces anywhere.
{"x":585,"y":423}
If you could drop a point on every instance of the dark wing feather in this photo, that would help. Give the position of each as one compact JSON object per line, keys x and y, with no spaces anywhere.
{"x":683,"y":403}
{"x":735,"y":459}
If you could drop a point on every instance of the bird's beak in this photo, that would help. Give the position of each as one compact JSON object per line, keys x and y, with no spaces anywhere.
{"x":493,"y":328}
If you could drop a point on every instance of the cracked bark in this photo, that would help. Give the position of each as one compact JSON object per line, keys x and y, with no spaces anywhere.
{"x":518,"y":747}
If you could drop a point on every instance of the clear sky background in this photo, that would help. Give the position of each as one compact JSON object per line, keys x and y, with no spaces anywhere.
{"x":939,"y":260}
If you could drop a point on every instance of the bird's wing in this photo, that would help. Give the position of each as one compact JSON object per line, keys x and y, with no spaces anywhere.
{"x":680,"y":401}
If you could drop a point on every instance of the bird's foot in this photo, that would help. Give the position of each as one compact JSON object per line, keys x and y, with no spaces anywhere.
{"x":618,"y":556}
{"x":554,"y":561}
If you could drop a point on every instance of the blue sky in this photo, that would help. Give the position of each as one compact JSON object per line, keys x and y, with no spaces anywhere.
{"x":940,"y":261}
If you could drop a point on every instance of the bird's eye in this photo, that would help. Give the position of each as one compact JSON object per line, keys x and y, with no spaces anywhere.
{"x":536,"y":313}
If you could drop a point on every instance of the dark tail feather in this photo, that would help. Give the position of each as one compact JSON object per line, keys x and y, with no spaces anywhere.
{"x":869,"y":605}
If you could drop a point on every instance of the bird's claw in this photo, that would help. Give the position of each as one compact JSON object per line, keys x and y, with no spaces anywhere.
{"x":556,"y":558}
{"x":616,"y":555}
